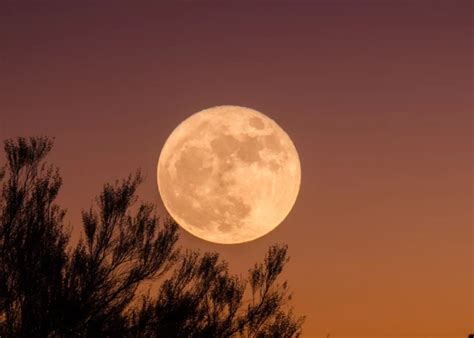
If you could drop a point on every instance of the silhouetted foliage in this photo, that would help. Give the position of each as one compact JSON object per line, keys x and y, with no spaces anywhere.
{"x":32,"y":241}
{"x":202,"y":299}
{"x":120,"y":252}
{"x":50,"y":289}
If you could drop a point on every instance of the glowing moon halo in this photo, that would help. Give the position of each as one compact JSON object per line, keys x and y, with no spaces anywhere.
{"x":228,"y":174}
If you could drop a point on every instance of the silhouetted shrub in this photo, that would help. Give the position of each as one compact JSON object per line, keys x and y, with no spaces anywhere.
{"x":48,"y":290}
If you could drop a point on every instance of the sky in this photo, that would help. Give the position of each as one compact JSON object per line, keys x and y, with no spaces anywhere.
{"x":377,"y":97}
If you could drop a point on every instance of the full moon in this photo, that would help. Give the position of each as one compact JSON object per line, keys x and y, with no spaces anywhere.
{"x":229,"y":174}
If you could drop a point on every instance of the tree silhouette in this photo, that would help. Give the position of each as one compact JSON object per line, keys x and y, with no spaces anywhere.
{"x":50,"y":289}
{"x":32,"y":241}
{"x":119,"y":252}
{"x":202,"y":299}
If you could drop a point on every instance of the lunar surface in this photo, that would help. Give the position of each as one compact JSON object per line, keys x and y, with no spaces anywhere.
{"x":228,"y":174}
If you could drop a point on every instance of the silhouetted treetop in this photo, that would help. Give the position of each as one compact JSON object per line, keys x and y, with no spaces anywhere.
{"x":32,"y":240}
{"x":202,"y":299}
{"x":49,"y":288}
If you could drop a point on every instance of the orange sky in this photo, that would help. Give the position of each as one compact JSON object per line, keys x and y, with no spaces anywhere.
{"x":376,"y":95}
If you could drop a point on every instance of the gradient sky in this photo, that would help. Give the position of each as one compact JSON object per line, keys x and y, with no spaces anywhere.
{"x":376,"y":95}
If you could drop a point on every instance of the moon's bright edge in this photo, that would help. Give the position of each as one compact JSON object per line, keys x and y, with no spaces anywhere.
{"x":229,"y":174}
